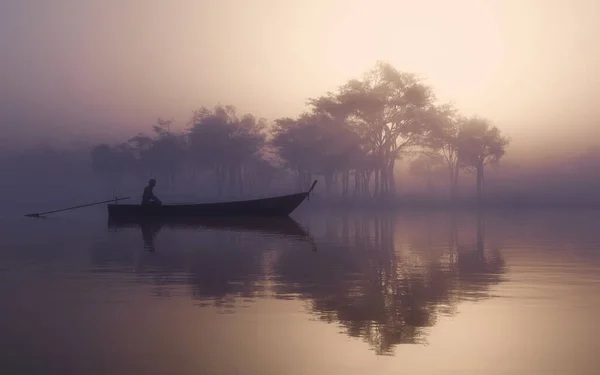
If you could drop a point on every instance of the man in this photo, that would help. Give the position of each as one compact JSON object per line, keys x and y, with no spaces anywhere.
{"x":148,"y":197}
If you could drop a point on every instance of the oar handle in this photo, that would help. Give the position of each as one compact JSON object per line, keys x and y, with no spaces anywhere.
{"x":312,"y":186}
{"x":72,"y":208}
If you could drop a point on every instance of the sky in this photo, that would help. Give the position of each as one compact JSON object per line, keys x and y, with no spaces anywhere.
{"x":90,"y":67}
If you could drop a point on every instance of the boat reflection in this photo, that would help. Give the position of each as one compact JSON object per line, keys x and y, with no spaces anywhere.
{"x":150,"y":227}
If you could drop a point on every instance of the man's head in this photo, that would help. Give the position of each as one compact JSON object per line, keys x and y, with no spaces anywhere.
{"x":152,"y":182}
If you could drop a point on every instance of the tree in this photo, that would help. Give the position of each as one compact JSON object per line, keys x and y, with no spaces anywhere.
{"x":317,"y":143}
{"x":481,"y":144}
{"x":224,"y":143}
{"x":444,"y":139}
{"x":341,"y":147}
{"x":160,"y":155}
{"x":296,"y":142}
{"x":383,"y":108}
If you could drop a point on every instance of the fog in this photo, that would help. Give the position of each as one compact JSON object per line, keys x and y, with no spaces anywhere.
{"x":79,"y":80}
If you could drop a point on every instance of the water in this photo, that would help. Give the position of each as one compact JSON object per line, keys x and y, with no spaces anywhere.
{"x":414,"y":293}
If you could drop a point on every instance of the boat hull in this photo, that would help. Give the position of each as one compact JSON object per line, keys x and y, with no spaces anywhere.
{"x":267,"y":207}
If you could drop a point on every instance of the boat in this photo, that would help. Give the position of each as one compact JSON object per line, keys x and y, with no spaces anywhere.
{"x":266,"y":207}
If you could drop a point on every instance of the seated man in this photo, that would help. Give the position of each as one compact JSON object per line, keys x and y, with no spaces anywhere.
{"x":148,"y":197}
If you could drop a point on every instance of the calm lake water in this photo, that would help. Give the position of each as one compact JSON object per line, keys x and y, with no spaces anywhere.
{"x":410,"y":293}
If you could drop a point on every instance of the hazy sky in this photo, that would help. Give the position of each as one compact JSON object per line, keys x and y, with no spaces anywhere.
{"x":531,"y":66}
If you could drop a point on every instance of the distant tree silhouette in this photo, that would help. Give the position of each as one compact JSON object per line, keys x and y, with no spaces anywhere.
{"x":295,"y":141}
{"x":446,"y":126}
{"x":162,"y":155}
{"x":358,"y":131}
{"x":364,"y":127}
{"x":481,"y":144}
{"x":383,"y":108}
{"x":342,"y":146}
{"x":317,"y":143}
{"x":229,"y":146}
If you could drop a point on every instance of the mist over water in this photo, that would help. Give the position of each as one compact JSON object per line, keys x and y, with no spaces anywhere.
{"x":47,"y":178}
{"x":424,"y":292}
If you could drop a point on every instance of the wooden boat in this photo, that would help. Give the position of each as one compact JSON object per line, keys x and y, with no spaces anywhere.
{"x":274,"y":206}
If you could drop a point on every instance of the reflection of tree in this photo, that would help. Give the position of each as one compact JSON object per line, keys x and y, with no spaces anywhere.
{"x":385,"y":292}
{"x":476,"y":267}
{"x":224,"y":270}
{"x":385,"y":279}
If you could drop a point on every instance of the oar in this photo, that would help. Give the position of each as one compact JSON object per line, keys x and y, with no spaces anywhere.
{"x":72,"y":208}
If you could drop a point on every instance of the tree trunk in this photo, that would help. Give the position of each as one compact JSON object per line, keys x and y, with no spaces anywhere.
{"x":358,"y":176}
{"x":479,"y":184}
{"x":382,"y":180}
{"x":451,"y":180}
{"x":391,"y":177}
{"x":367,"y":186}
{"x":454,"y":173}
{"x":482,"y":182}
{"x":345,"y":181}
{"x":429,"y":183}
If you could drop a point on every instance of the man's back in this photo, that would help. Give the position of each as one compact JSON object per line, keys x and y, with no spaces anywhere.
{"x":148,"y":195}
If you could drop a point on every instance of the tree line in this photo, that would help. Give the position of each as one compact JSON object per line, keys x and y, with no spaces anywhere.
{"x":350,"y":139}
